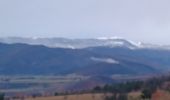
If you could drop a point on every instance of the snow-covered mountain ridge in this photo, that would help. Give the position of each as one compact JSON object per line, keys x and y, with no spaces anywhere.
{"x":82,"y":43}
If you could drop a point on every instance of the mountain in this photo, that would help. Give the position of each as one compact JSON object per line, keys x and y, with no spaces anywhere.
{"x":81,"y":43}
{"x":24,"y":59}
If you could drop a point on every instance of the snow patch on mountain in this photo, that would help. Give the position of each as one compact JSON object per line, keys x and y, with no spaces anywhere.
{"x":109,"y":38}
{"x":106,"y":60}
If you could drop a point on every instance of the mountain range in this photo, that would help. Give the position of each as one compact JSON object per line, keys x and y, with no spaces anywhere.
{"x":93,"y":57}
{"x":82,"y":43}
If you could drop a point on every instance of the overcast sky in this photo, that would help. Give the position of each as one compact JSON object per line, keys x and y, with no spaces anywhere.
{"x":138,"y":20}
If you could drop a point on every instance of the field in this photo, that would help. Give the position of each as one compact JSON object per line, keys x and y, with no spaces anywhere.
{"x":72,"y":97}
{"x":99,"y":96}
{"x":45,"y":87}
{"x":40,"y":84}
{"x":36,"y":84}
{"x":159,"y":95}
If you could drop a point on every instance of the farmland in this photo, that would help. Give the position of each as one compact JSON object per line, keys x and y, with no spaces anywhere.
{"x":72,"y":97}
{"x":158,"y":95}
{"x":30,"y":84}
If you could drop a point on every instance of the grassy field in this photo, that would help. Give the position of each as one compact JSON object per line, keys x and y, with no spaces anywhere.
{"x":99,"y":96}
{"x":29,"y":84}
{"x":159,"y":95}
{"x":72,"y":97}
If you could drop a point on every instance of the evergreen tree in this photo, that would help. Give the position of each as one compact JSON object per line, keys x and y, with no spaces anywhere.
{"x":2,"y":96}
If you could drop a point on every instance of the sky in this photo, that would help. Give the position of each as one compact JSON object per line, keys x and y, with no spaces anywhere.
{"x":138,"y":20}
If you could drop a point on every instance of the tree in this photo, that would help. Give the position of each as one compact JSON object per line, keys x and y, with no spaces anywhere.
{"x":122,"y":96}
{"x":146,"y":94}
{"x":113,"y":97}
{"x":2,"y":96}
{"x":97,"y":89}
{"x":56,"y":94}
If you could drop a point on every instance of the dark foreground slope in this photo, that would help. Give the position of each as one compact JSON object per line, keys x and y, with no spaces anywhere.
{"x":17,"y":59}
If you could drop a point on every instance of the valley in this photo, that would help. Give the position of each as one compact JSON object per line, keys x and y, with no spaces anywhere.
{"x":28,"y":85}
{"x":28,"y":71}
{"x":47,"y":85}
{"x":84,"y":50}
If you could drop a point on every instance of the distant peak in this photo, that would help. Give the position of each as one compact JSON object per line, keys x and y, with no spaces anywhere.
{"x":34,"y":37}
{"x":109,"y":38}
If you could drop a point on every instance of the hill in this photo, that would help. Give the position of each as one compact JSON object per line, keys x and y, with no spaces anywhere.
{"x":18,"y":59}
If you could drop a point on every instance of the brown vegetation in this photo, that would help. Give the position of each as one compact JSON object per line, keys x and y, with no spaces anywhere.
{"x":161,"y":95}
{"x":72,"y":97}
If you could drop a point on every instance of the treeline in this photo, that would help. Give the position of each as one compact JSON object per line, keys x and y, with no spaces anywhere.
{"x":120,"y":91}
